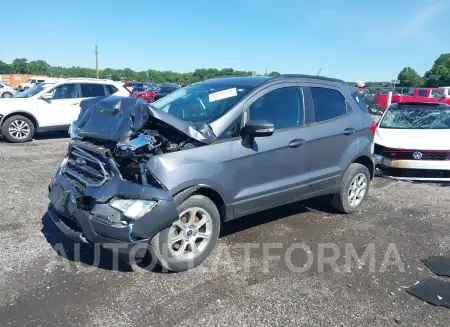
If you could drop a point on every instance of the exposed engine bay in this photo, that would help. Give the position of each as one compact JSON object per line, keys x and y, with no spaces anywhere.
{"x":131,"y":156}
{"x":133,"y":132}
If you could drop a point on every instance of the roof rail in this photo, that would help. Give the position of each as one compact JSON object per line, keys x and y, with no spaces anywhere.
{"x":88,"y":78}
{"x":322,"y":78}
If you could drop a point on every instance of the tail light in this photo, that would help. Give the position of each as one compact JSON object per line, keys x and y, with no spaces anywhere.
{"x":373,"y":127}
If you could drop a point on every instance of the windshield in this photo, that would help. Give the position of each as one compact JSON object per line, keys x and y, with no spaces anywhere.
{"x":202,"y":102}
{"x":28,"y":93}
{"x":420,"y":118}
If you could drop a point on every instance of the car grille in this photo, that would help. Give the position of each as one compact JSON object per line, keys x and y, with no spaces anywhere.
{"x":86,"y":167}
{"x":402,"y":154}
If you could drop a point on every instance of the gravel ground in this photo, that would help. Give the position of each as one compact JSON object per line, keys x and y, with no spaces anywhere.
{"x":38,"y":287}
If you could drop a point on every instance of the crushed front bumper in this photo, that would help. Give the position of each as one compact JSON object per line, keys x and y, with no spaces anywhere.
{"x":414,"y":170}
{"x":97,"y":222}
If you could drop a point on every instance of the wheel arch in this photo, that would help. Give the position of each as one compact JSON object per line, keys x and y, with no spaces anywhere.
{"x":206,"y":191}
{"x":21,"y":113}
{"x":365,"y":161}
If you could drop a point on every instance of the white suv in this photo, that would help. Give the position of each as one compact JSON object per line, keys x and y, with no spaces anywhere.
{"x":52,"y":105}
{"x":30,"y":83}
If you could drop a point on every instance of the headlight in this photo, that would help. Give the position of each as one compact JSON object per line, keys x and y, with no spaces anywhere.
{"x":133,"y":208}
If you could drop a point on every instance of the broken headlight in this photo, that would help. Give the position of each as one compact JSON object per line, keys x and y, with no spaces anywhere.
{"x":131,"y":208}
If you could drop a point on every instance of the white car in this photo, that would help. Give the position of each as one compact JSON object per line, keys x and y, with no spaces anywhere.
{"x":412,"y":142}
{"x":52,"y":105}
{"x":6,"y":91}
{"x":31,"y":82}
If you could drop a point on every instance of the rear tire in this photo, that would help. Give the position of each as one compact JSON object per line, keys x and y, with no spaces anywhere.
{"x":18,"y":129}
{"x":7,"y":95}
{"x":191,"y":238}
{"x":354,"y":189}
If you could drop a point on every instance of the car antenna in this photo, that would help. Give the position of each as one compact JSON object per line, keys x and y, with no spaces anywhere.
{"x":319,"y":71}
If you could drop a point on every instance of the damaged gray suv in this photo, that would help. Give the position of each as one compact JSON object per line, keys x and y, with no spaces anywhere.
{"x":163,"y":177}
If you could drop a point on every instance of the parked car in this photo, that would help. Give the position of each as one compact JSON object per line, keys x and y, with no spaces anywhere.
{"x":50,"y":105}
{"x":147,"y":94}
{"x":6,"y":91}
{"x":411,"y":141}
{"x":31,"y":82}
{"x":208,"y":153}
{"x":414,"y":95}
{"x":163,"y":90}
{"x":131,"y":85}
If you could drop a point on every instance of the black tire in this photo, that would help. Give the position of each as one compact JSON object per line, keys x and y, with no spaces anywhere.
{"x":340,"y":200}
{"x":12,"y":138}
{"x":7,"y":95}
{"x":159,"y":245}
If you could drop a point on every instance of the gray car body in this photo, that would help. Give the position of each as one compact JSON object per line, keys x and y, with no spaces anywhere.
{"x":239,"y":178}
{"x":271,"y":173}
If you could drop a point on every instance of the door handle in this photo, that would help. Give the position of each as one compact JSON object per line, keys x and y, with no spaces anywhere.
{"x":296,"y":143}
{"x":349,"y":131}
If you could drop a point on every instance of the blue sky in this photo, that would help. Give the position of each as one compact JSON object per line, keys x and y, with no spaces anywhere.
{"x":352,"y":40}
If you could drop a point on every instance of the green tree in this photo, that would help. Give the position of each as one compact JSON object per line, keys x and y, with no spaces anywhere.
{"x":20,"y":66}
{"x":38,"y":67}
{"x":409,"y":77}
{"x":5,"y":68}
{"x":439,"y":74}
{"x":274,"y":74}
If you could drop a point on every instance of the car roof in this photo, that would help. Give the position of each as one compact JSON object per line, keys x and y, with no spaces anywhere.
{"x":257,"y":80}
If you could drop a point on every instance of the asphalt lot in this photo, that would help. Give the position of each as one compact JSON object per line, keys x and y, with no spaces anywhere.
{"x":38,"y":287}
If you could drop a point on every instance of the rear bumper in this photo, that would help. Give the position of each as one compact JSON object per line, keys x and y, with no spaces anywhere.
{"x":103,"y":224}
{"x":421,"y":170}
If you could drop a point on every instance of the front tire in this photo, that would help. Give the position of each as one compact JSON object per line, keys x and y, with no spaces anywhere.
{"x":191,"y":238}
{"x":18,"y":129}
{"x":354,"y":189}
{"x":7,"y":95}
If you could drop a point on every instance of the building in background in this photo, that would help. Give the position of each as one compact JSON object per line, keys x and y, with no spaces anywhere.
{"x":14,"y":80}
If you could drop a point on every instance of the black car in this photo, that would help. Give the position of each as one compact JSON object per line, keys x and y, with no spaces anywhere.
{"x":163,"y":90}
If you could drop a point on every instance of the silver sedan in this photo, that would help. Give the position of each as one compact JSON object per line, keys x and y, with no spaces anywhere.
{"x":6,"y":91}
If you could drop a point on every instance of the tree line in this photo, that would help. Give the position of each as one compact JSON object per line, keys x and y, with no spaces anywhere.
{"x":438,"y":75}
{"x":41,"y":67}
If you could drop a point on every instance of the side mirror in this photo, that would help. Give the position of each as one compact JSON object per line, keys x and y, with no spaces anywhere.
{"x":47,"y":96}
{"x":258,"y":128}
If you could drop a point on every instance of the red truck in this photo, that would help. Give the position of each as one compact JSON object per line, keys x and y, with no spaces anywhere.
{"x":414,"y":95}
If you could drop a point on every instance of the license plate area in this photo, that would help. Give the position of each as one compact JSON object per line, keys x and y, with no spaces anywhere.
{"x":60,"y":195}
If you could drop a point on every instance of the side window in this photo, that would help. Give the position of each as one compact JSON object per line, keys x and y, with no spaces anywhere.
{"x":65,"y":91}
{"x":92,"y":90}
{"x":111,"y":89}
{"x":436,"y":94}
{"x":422,"y":93}
{"x":233,"y":131}
{"x":282,"y":107}
{"x":328,"y":104}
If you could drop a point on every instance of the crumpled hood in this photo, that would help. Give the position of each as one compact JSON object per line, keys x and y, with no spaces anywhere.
{"x":116,"y":118}
{"x":413,"y":139}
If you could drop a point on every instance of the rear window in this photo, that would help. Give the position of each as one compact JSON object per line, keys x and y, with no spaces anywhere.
{"x":328,"y":104}
{"x":92,"y":90}
{"x":360,"y":101}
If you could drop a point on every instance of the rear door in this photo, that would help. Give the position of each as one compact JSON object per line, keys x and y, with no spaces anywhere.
{"x":334,"y":136}
{"x":422,"y":95}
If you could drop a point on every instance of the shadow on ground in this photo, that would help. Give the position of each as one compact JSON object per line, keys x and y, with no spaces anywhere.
{"x":94,"y":255}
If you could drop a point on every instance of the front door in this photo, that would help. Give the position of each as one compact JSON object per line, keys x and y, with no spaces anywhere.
{"x":274,"y":169}
{"x":62,"y":108}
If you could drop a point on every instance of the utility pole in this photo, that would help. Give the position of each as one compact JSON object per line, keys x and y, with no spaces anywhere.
{"x":266,"y":71}
{"x":96,"y":59}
